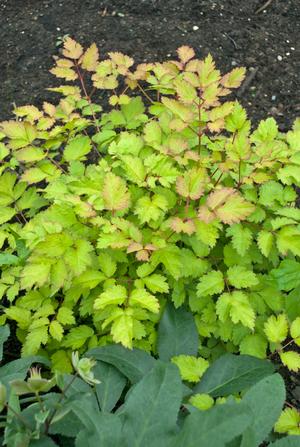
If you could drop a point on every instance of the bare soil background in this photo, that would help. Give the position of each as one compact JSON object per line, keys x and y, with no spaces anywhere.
{"x":230,"y":30}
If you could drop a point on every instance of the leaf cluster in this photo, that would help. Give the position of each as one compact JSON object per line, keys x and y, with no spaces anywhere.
{"x":137,"y":400}
{"x":168,"y":196}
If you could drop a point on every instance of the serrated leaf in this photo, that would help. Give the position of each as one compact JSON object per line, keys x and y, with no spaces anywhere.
{"x":156,"y":283}
{"x":6,"y":214}
{"x":77,"y":148}
{"x":34,"y":339}
{"x":35,"y":274}
{"x":288,"y":422}
{"x":90,"y":58}
{"x":240,"y":277}
{"x":115,"y":194}
{"x":191,"y":368}
{"x":122,"y":330}
{"x":291,"y":360}
{"x":107,"y":265}
{"x":60,"y":362}
{"x":56,"y":330}
{"x":185,"y":53}
{"x":192,"y":184}
{"x":185,"y":91}
{"x":295,"y":330}
{"x":72,"y":49}
{"x":134,"y":169}
{"x":142,"y":298}
{"x":77,"y":337}
{"x":241,"y":238}
{"x":265,"y":241}
{"x":255,"y":345}
{"x":114,"y":295}
{"x":65,"y":316}
{"x":287,"y":274}
{"x":288,"y":239}
{"x":237,"y":307}
{"x":65,"y":73}
{"x":170,"y":258}
{"x":201,"y":401}
{"x":234,"y":78}
{"x":210,"y":284}
{"x":21,"y":134}
{"x":235,"y":209}
{"x":276,"y":328}
{"x":178,"y":109}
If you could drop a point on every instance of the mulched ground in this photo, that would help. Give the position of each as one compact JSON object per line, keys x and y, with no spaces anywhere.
{"x":148,"y":30}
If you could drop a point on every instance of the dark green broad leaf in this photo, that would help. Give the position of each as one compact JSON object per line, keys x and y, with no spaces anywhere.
{"x":101,"y":429}
{"x":177,"y":333}
{"x":111,"y":386}
{"x":45,"y":441}
{"x":75,"y":387}
{"x":232,"y":374}
{"x":17,"y":369}
{"x":151,"y":409}
{"x":266,"y":400}
{"x":134,"y":364}
{"x":4,"y":334}
{"x":215,"y":427}
{"x":287,"y":441}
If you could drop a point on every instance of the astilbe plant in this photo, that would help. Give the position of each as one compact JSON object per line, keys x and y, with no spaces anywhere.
{"x":168,"y":196}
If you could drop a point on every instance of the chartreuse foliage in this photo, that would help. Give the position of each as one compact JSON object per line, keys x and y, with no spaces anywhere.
{"x":169,"y":196}
{"x":120,"y":397}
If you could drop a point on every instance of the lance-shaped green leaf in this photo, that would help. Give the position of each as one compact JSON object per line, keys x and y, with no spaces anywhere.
{"x":134,"y":364}
{"x":287,"y":441}
{"x":177,"y":333}
{"x":153,"y":402}
{"x":215,"y":427}
{"x":232,"y":374}
{"x":112,"y":383}
{"x":265,"y":400}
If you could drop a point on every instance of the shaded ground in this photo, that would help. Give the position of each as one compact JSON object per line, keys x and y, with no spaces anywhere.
{"x":153,"y":29}
{"x":149,"y":29}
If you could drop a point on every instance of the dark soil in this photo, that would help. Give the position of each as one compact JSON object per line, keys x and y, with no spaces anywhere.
{"x":148,"y":30}
{"x":153,"y":29}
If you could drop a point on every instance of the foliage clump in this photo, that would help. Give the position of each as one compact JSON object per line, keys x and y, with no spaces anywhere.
{"x":168,"y":196}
